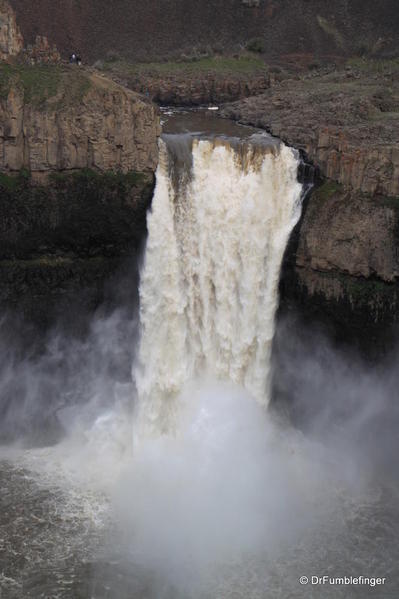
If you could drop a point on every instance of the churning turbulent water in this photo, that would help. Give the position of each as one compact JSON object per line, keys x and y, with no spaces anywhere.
{"x":220,"y":220}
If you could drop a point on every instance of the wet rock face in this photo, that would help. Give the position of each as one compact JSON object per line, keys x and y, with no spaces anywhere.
{"x":11,"y":40}
{"x":103,"y":126}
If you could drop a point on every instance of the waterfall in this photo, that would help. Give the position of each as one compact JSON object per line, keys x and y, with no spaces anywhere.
{"x":221,"y":217}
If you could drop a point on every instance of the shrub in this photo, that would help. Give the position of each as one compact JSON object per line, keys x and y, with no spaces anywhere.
{"x":256,"y":45}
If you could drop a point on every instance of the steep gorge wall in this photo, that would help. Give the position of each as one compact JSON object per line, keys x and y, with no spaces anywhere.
{"x":342,"y":265}
{"x":77,"y":161}
{"x":87,"y":122}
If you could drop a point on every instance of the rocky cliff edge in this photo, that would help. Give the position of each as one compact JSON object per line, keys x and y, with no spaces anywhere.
{"x":61,"y":118}
{"x":343,"y":261}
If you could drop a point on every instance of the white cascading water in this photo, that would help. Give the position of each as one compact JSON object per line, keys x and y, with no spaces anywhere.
{"x":209,"y":285}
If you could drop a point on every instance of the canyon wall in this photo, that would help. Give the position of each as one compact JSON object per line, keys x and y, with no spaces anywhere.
{"x":68,"y":119}
{"x":77,"y":159}
{"x":342,"y":265}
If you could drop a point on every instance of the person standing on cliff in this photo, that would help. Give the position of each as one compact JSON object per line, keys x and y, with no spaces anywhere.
{"x":75,"y":59}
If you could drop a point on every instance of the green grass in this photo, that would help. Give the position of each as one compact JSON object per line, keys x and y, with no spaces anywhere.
{"x":38,"y":82}
{"x":9,"y":182}
{"x":42,"y":84}
{"x":243,"y":64}
{"x":14,"y":181}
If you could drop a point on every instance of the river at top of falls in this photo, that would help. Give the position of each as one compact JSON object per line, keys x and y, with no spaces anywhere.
{"x":221,"y":216}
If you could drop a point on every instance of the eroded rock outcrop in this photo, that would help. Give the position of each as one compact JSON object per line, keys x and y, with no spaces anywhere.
{"x":197,"y":90}
{"x":343,"y":262}
{"x":41,"y":52}
{"x":193,"y":81}
{"x":69,"y":120}
{"x":11,"y":40}
{"x":345,"y":123}
{"x":334,"y":239}
{"x":77,"y":154}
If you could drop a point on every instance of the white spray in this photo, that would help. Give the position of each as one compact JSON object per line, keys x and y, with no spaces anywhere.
{"x":209,"y":287}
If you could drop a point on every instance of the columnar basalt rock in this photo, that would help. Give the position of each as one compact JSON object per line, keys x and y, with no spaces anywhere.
{"x":343,"y":263}
{"x":77,"y":159}
{"x":11,"y":40}
{"x":333,"y":240}
{"x":200,"y":89}
{"x":104,"y":126}
{"x":342,"y":126}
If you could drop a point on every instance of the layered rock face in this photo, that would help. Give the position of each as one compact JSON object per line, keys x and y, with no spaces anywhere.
{"x":345,"y":123}
{"x":332,"y":239}
{"x":199,"y":89}
{"x":343,"y":261}
{"x":77,"y":155}
{"x":88,"y":122}
{"x":11,"y":40}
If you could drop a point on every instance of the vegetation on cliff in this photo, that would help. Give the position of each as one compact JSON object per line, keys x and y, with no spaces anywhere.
{"x":45,"y":86}
{"x":59,"y":118}
{"x":193,"y":80}
{"x":61,"y":241}
{"x":84,"y":213}
{"x":243,"y":63}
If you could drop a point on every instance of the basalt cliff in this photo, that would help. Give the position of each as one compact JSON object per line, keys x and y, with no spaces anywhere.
{"x":323,"y":79}
{"x":77,"y":159}
{"x":343,"y":260}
